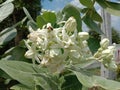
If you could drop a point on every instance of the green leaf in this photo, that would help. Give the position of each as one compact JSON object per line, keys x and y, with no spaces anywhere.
{"x":40,"y":21}
{"x":92,"y":13}
{"x":95,"y":16}
{"x":5,"y":11}
{"x":7,"y":34}
{"x":71,"y":83}
{"x":46,"y":17}
{"x":93,"y":44}
{"x":109,"y":4}
{"x":49,"y":16}
{"x":87,"y":3}
{"x":4,"y":75}
{"x":70,"y":10}
{"x":89,"y":80}
{"x":111,"y":7}
{"x":91,"y":24}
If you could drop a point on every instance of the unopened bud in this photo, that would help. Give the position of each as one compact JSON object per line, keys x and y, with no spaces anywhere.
{"x":83,"y":35}
{"x":70,"y":24}
{"x":104,"y":43}
{"x":106,"y":52}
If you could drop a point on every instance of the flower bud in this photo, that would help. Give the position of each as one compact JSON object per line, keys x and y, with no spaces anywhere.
{"x":106,"y":52}
{"x":104,"y":43}
{"x":83,"y":35}
{"x":70,"y":24}
{"x":107,"y":55}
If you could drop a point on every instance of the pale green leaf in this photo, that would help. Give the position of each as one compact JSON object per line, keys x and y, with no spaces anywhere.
{"x":5,"y":11}
{"x":27,"y":14}
{"x":6,"y":2}
{"x":7,"y":35}
{"x":15,"y":53}
{"x":47,"y":82}
{"x":28,"y":75}
{"x":19,"y":87}
{"x":19,"y":71}
{"x":89,"y":80}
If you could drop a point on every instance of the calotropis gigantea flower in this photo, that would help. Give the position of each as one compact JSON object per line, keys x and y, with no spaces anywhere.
{"x":56,"y":47}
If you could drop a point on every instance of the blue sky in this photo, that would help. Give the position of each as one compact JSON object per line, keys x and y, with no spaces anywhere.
{"x":57,"y":5}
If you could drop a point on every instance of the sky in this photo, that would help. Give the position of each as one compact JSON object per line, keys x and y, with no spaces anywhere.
{"x":57,"y":5}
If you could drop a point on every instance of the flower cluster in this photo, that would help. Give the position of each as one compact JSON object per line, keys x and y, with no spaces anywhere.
{"x":56,"y":47}
{"x":105,"y":54}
